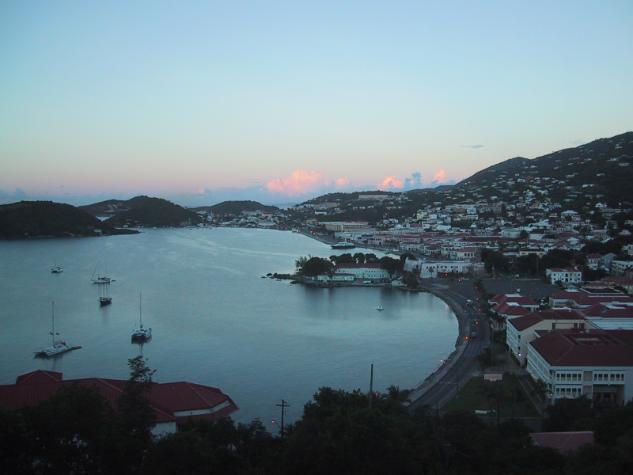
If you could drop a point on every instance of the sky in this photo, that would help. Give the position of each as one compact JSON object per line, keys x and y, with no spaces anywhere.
{"x":200,"y":101}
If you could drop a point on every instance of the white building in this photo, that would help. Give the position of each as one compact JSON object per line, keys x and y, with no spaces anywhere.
{"x":565,"y":276}
{"x":372,"y":272}
{"x":596,"y":364}
{"x":432,"y":269}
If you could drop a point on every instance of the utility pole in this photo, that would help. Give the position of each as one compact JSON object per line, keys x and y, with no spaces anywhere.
{"x":371,"y":385}
{"x":283,"y":406}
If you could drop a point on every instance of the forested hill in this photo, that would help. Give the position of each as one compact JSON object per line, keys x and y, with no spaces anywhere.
{"x":28,"y":219}
{"x":150,"y":212}
{"x":237,"y":207}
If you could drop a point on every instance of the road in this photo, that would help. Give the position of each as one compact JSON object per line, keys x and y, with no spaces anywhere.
{"x":454,"y":376}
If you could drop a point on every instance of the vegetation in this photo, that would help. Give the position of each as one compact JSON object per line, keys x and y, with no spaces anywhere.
{"x":237,"y":207}
{"x":313,"y":266}
{"x":77,"y":431}
{"x":47,"y":219}
{"x":153,"y":212}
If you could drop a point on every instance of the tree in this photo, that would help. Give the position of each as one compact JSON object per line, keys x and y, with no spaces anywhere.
{"x":314,"y":266}
{"x":390,"y":264}
{"x":359,"y":258}
{"x":136,"y":417}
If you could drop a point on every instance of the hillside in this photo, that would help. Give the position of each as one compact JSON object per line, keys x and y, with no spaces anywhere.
{"x":150,"y":212}
{"x":47,"y":219}
{"x":237,"y":207}
{"x":577,"y":178}
{"x":105,"y":208}
{"x":601,"y":170}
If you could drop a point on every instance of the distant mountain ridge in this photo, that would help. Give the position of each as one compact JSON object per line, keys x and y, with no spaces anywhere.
{"x":27,"y":219}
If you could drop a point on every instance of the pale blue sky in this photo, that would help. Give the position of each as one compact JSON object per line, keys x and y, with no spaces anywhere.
{"x":178,"y":98}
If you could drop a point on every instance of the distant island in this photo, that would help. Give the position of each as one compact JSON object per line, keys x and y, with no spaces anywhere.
{"x":35,"y":219}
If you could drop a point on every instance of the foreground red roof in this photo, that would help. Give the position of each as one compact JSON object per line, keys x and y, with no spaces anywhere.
{"x":170,"y":401}
{"x":564,"y":442}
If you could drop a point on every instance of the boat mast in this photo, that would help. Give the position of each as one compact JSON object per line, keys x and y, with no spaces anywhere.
{"x":53,"y":323}
{"x":140,"y":309}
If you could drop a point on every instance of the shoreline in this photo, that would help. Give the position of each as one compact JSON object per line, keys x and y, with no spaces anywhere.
{"x":461,"y":344}
{"x":454,"y":358}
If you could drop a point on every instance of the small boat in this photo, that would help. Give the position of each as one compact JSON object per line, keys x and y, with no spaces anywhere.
{"x":104,"y":298}
{"x":57,"y":269}
{"x":141,"y":334}
{"x":380,"y":308}
{"x":58,"y":347}
{"x":343,"y":245}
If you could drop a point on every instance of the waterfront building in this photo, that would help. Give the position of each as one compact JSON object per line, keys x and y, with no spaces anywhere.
{"x":432,"y":269}
{"x":172,"y":403}
{"x":596,"y":364}
{"x":365,"y":272}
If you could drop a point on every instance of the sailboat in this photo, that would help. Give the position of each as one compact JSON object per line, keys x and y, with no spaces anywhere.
{"x":380,"y":308}
{"x":104,"y":297}
{"x":57,"y":347}
{"x":141,"y":334}
{"x":57,"y":269}
{"x":100,"y":279}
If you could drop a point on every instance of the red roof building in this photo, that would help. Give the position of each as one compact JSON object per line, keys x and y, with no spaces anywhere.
{"x":597,"y":364}
{"x":172,"y":403}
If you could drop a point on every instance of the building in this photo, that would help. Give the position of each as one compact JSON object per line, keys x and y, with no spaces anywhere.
{"x":365,"y":272}
{"x":565,"y":276}
{"x":431,"y":269}
{"x":587,"y":297}
{"x":522,"y":330}
{"x":596,"y":364}
{"x":172,"y":403}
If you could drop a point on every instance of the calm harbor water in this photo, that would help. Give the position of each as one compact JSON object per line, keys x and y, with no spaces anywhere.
{"x":215,"y":321}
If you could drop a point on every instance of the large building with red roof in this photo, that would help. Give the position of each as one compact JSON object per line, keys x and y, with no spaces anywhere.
{"x":522,"y":330}
{"x":597,"y":364}
{"x":172,"y":403}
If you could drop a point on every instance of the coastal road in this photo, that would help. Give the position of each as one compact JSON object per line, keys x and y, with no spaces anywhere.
{"x":459,"y":296}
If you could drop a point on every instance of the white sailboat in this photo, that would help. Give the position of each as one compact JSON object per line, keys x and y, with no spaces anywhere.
{"x":100,"y":279}
{"x":57,"y":347}
{"x":141,"y":334}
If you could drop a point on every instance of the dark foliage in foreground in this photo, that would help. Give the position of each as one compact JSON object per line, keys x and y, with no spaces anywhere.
{"x":76,"y":431}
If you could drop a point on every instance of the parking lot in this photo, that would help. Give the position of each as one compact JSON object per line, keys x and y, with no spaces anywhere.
{"x":535,"y":288}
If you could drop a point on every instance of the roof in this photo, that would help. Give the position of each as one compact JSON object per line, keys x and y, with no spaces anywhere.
{"x":513,"y":310}
{"x":586,"y":348}
{"x":527,"y":321}
{"x":167,"y":400}
{"x":564,"y":442}
{"x":608,"y":311}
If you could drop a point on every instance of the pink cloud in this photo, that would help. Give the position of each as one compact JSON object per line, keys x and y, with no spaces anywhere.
{"x":297,"y":183}
{"x":390,"y":182}
{"x":440,"y":175}
{"x":341,"y":182}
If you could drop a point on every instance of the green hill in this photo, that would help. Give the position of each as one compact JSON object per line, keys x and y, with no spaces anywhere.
{"x":47,"y":219}
{"x":237,"y":207}
{"x":150,"y":212}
